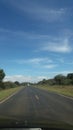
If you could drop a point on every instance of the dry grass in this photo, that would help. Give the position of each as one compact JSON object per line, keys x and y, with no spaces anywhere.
{"x":5,"y":93}
{"x":65,"y":90}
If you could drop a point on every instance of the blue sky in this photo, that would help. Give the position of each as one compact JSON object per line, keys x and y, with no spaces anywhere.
{"x":36,"y":38}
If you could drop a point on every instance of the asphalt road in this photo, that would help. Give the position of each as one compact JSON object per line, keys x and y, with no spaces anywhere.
{"x":32,"y":103}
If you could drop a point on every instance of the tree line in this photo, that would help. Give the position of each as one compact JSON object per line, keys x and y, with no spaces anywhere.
{"x":59,"y":80}
{"x":8,"y":84}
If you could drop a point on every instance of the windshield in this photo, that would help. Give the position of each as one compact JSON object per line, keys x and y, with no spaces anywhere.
{"x":36,"y":63}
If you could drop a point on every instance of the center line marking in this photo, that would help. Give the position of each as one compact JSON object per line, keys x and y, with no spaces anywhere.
{"x":36,"y":97}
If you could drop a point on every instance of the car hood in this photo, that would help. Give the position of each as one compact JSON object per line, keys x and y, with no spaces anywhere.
{"x":10,"y":122}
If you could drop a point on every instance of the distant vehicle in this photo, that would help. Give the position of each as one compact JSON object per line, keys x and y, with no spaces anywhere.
{"x":28,"y":84}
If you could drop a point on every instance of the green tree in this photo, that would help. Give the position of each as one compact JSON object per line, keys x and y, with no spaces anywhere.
{"x":2,"y":75}
{"x":9,"y":84}
{"x":17,"y":83}
{"x":60,"y":79}
{"x":70,"y":78}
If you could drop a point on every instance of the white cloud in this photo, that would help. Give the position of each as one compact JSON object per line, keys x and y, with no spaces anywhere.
{"x":33,"y":79}
{"x":50,"y":15}
{"x":40,"y":63}
{"x":22,"y":78}
{"x":59,"y":46}
{"x":50,"y":66}
{"x":54,"y":73}
{"x":22,"y":34}
{"x":39,"y":78}
{"x":19,"y":78}
{"x":34,"y":61}
{"x":61,"y":60}
{"x":38,"y":11}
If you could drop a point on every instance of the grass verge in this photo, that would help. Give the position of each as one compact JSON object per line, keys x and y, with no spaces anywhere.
{"x":6,"y":93}
{"x":64,"y":90}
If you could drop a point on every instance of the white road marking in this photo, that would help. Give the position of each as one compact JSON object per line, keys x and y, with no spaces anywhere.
{"x":36,"y":96}
{"x":65,"y":96}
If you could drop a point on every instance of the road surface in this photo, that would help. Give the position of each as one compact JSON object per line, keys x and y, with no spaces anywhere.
{"x":32,"y":103}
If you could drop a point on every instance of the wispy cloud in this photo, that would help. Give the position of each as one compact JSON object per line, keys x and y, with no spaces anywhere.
{"x":50,"y":15}
{"x":61,"y":60}
{"x":50,"y":66}
{"x":33,"y":61}
{"x":65,"y":72}
{"x":39,"y":12}
{"x":42,"y":63}
{"x":62,"y":46}
{"x":23,"y":34}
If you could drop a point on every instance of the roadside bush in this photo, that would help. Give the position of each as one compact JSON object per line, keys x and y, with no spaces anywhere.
{"x":9,"y":85}
{"x":2,"y":86}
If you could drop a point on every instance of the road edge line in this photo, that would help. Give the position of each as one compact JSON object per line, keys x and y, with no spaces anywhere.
{"x":4,"y":100}
{"x":65,"y":96}
{"x":68,"y":97}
